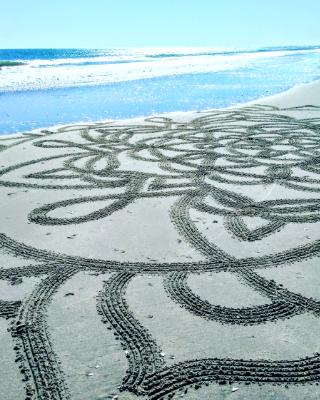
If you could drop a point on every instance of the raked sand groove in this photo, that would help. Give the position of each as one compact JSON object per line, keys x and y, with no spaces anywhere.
{"x":252,"y":173}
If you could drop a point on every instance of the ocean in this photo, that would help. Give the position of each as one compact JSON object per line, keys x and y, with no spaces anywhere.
{"x":61,"y":86}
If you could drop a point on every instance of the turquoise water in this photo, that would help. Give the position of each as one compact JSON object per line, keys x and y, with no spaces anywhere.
{"x":71,"y":85}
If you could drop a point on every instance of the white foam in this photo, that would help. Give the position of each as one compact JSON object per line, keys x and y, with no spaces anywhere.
{"x":46,"y":74}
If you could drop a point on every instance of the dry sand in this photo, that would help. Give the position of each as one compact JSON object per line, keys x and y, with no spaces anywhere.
{"x":170,"y":257}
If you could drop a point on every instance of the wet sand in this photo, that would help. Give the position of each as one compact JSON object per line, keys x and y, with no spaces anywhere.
{"x":168,"y":257}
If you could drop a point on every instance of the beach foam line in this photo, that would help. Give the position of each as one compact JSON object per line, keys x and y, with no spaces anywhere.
{"x":76,"y":72}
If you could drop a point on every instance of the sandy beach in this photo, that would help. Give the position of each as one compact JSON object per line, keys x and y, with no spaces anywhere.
{"x":174,"y":256}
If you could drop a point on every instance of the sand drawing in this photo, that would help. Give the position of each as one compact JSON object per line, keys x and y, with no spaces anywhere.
{"x":208,"y":166}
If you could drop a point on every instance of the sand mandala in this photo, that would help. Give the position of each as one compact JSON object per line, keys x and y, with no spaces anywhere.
{"x":219,"y":168}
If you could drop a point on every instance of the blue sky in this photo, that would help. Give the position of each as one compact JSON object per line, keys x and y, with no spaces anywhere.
{"x":137,"y":23}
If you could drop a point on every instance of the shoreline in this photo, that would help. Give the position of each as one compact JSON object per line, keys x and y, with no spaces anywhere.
{"x":288,"y":98}
{"x":119,"y":244}
{"x":292,"y":96}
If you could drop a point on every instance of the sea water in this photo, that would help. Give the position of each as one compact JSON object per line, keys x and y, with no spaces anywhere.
{"x":60,"y":86}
